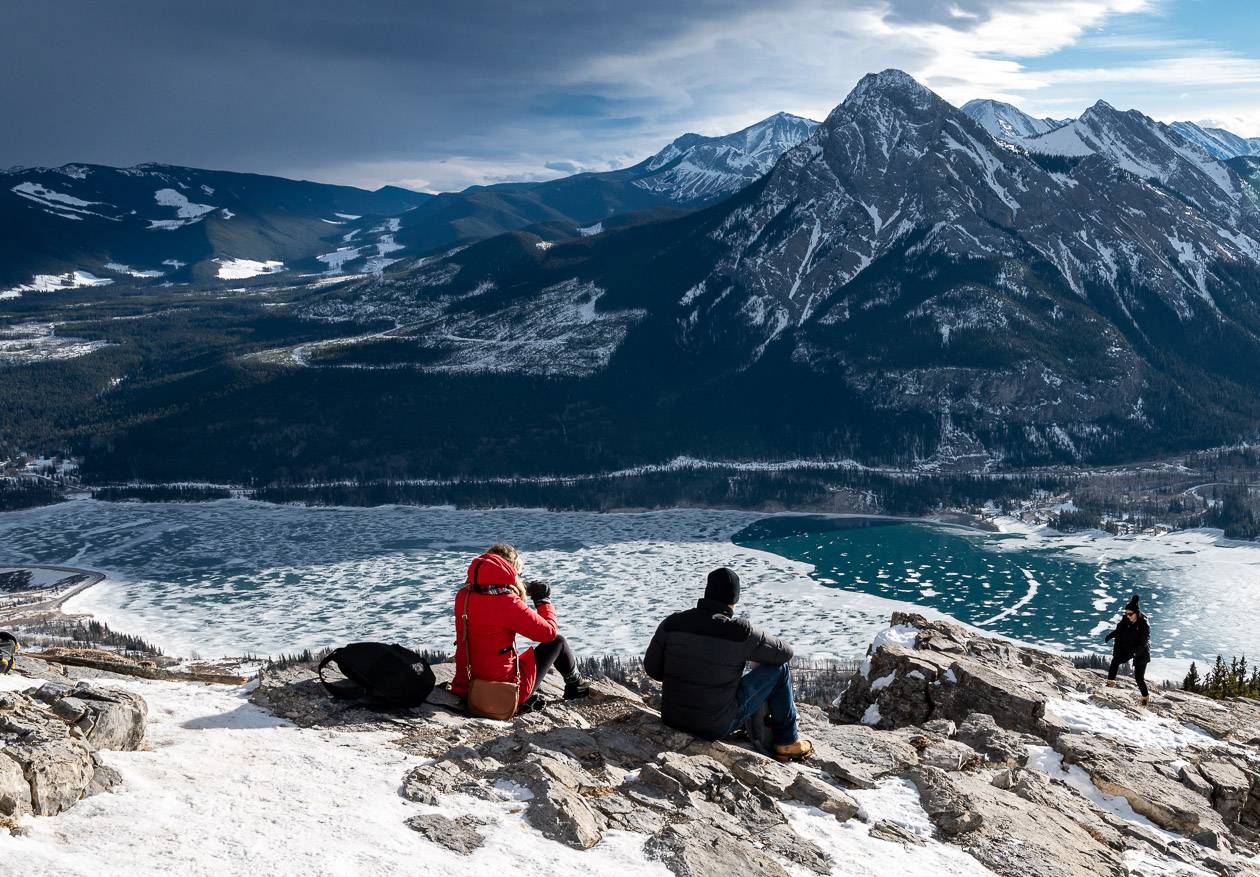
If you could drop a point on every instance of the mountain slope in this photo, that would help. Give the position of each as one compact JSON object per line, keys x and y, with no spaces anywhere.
{"x":901,"y":289}
{"x":153,"y":220}
{"x":905,"y":261}
{"x":1007,"y":122}
{"x":690,"y":172}
{"x":1217,"y":142}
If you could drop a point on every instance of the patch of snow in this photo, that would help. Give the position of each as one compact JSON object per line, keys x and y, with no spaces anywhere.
{"x":27,"y":343}
{"x":854,"y":851}
{"x":545,"y":245}
{"x":56,"y":282}
{"x":1149,"y":731}
{"x":127,"y":269}
{"x":903,"y":635}
{"x":590,"y":230}
{"x":241,"y":269}
{"x":871,"y":716}
{"x":65,"y":206}
{"x":174,"y":263}
{"x":346,"y":216}
{"x":187,"y":211}
{"x":337,"y":260}
{"x":883,"y":682}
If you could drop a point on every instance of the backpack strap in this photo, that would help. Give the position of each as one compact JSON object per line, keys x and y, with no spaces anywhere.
{"x":467,"y":592}
{"x":349,"y":689}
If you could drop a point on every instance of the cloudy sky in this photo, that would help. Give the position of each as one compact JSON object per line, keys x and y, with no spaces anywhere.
{"x":441,"y":95}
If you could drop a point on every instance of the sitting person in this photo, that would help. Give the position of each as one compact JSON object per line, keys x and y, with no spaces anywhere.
{"x":496,"y":615}
{"x":699,"y":657}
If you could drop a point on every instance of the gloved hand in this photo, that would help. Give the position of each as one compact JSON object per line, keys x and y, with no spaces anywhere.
{"x":539,"y":591}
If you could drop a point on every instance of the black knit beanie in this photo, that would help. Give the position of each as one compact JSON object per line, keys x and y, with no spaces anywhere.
{"x":1133,"y":605}
{"x":722,"y":586}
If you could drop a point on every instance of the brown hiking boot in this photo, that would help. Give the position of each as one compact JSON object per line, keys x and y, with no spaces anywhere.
{"x":798,"y":751}
{"x":1146,"y":699}
{"x":1111,"y":683}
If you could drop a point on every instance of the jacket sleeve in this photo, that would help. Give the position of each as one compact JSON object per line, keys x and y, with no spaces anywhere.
{"x":767,"y":649}
{"x":1109,"y":637}
{"x":538,"y":625}
{"x":654,"y":658}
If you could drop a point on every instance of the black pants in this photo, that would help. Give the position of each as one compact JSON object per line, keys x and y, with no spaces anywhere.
{"x":553,"y":654}
{"x":1139,"y":672}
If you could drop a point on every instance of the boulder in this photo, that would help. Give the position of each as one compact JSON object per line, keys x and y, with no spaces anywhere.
{"x":1230,"y":787}
{"x":107,"y":718}
{"x":949,"y":755}
{"x":697,"y":849}
{"x":57,"y":767}
{"x":564,"y":816}
{"x":15,"y":791}
{"x":994,"y":743}
{"x":826,"y":797}
{"x":458,"y":835}
{"x":1192,"y":779}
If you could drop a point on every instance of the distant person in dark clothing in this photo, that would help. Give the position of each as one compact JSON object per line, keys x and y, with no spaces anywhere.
{"x":699,"y":655}
{"x":1132,"y":643}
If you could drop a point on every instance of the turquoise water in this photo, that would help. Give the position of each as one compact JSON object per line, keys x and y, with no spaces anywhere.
{"x":997,"y":582}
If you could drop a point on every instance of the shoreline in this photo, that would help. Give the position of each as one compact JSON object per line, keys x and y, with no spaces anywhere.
{"x":54,"y":604}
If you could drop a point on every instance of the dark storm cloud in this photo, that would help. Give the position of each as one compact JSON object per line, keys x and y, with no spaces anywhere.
{"x":424,"y":93}
{"x":279,"y":84}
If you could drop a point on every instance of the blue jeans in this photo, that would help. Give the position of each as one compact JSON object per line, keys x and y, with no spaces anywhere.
{"x":770,"y":685}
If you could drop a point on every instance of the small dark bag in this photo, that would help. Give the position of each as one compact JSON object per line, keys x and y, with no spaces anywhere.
{"x":379,"y":675}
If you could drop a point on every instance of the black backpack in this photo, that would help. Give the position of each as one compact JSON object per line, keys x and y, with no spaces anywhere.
{"x":381,"y":675}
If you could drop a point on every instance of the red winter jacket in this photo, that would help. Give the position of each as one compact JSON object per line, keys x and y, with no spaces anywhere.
{"x":494,"y":620}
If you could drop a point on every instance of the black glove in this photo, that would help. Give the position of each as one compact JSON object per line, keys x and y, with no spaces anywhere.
{"x":539,"y":591}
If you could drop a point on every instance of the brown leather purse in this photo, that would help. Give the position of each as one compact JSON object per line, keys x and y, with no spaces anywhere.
{"x":486,"y":699}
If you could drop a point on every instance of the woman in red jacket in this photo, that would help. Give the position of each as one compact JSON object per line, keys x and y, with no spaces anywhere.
{"x":496,"y":615}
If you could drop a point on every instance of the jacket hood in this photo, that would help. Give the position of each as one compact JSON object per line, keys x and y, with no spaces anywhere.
{"x":491,"y":569}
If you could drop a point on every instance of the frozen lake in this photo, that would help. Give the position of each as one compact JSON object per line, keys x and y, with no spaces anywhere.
{"x":235,"y":576}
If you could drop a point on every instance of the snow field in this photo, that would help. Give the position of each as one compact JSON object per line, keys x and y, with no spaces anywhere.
{"x":226,"y":789}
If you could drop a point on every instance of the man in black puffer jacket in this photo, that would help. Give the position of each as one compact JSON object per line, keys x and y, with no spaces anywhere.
{"x":699,"y":655}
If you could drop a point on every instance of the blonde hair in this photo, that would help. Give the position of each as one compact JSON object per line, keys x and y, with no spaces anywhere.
{"x":507,"y":552}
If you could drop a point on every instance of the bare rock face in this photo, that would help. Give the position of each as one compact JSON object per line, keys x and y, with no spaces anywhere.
{"x":1231,"y":787}
{"x":48,"y":743}
{"x":949,"y":674}
{"x":106,"y":717}
{"x":58,"y":768}
{"x":15,"y":791}
{"x":995,"y":744}
{"x":1009,"y":834}
{"x":699,"y":850}
{"x":458,"y":835}
{"x":1135,"y":775}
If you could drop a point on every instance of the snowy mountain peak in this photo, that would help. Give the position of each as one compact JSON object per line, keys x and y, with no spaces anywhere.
{"x":1217,"y":142}
{"x":1005,"y":121}
{"x":694,"y":167}
{"x":891,"y":79}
